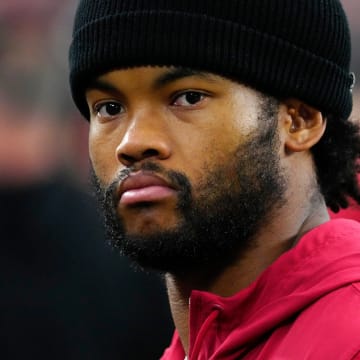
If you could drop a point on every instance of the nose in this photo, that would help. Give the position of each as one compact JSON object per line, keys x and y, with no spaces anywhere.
{"x":147,"y":136}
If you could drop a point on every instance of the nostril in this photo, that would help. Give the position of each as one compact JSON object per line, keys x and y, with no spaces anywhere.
{"x":150,"y":153}
{"x":131,"y":159}
{"x":127,"y":159}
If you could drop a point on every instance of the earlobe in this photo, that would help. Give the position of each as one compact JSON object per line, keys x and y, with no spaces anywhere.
{"x":303,"y":125}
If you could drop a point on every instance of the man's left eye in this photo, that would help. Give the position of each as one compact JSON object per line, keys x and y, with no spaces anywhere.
{"x":189,"y":98}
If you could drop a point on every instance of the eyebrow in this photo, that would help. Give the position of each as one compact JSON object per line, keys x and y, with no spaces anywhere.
{"x":179,"y":73}
{"x":102,"y":85}
{"x":164,"y":79}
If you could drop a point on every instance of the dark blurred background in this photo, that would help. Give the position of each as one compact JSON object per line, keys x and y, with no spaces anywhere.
{"x":63,"y":293}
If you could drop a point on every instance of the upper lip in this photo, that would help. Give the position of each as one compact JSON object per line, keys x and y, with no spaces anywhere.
{"x":140,"y":180}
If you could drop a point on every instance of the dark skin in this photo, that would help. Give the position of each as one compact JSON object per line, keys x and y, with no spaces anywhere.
{"x":187,"y":122}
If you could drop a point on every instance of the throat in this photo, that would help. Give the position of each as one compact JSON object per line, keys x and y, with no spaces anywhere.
{"x":227,"y":283}
{"x":179,"y":293}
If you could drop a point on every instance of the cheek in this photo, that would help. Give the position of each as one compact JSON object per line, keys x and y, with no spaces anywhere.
{"x":102,"y":152}
{"x":205,"y":153}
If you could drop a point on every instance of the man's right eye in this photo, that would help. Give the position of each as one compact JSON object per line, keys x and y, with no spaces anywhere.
{"x":109,"y":109}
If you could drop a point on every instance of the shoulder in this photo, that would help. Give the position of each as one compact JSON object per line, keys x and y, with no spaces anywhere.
{"x":339,"y":311}
{"x":330,"y":327}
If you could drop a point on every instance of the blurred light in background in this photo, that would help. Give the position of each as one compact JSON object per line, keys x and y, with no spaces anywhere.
{"x":41,"y":134}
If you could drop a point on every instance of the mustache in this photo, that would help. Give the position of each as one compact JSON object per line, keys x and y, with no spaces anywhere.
{"x":108,"y":194}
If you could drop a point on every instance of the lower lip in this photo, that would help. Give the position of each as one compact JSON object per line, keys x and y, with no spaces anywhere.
{"x":146,"y":194}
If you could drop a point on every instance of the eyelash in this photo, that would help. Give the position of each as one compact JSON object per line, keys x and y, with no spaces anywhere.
{"x":197,"y":93}
{"x":100,"y":105}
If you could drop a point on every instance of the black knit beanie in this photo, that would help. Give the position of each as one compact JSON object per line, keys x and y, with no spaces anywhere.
{"x":285,"y":48}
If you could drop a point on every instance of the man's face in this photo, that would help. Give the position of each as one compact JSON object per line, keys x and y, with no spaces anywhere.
{"x":185,"y":165}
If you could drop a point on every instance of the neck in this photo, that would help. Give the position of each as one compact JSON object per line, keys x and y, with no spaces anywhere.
{"x":271,"y":242}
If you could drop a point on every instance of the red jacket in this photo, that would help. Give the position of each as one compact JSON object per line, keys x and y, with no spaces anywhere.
{"x":305,"y":306}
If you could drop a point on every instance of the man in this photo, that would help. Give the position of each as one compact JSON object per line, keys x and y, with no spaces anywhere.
{"x":214,"y":129}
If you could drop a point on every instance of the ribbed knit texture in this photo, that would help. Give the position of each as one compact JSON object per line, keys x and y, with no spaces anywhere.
{"x":286,"y":48}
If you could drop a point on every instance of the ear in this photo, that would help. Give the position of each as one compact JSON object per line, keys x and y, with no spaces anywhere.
{"x":302,"y":124}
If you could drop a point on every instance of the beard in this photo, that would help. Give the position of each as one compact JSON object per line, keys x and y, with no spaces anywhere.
{"x":218,"y":218}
